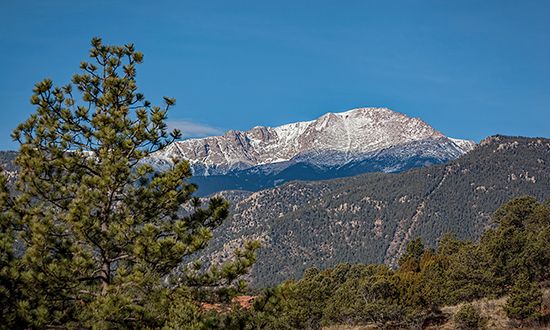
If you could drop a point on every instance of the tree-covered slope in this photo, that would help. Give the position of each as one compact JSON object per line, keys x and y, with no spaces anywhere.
{"x":369,"y":218}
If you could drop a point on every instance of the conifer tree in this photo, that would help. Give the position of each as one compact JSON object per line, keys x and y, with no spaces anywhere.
{"x":410,"y":260}
{"x":103,"y":235}
{"x":9,"y":286}
{"x":525,"y":300}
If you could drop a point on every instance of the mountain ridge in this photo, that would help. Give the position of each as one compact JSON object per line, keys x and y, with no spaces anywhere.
{"x":370,"y":217}
{"x":352,"y":134}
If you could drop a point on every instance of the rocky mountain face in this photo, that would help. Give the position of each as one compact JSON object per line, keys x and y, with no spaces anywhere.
{"x":334,"y":145}
{"x":7,"y":165}
{"x":370,"y":217}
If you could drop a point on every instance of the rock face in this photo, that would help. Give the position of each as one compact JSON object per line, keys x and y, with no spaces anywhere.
{"x":332,"y":140}
{"x":7,"y":165}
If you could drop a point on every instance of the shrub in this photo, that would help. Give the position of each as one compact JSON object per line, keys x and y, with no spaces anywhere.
{"x":525,"y":300}
{"x":468,"y":317}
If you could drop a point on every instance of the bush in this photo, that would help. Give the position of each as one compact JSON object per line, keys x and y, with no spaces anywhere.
{"x":468,"y":317}
{"x":525,"y":300}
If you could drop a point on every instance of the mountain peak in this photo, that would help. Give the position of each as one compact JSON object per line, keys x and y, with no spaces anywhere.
{"x":351,"y":134}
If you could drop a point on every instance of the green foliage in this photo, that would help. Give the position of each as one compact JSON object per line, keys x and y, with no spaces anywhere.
{"x":9,"y":272}
{"x":273,"y":308}
{"x":413,"y":251}
{"x":372,"y":297}
{"x":101,"y":235}
{"x":520,"y":243}
{"x":525,"y":300}
{"x":470,"y":276}
{"x":468,"y":318}
{"x":411,"y":258}
{"x":347,"y":294}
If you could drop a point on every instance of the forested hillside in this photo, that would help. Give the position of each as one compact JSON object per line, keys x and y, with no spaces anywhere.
{"x":370,"y":218}
{"x":509,"y":262}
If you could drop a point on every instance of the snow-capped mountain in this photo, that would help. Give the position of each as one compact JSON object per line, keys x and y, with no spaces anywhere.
{"x":332,"y":140}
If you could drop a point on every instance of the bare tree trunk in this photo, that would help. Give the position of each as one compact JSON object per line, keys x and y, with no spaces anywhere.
{"x":105,"y":268}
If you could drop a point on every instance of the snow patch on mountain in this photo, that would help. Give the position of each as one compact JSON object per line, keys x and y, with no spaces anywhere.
{"x":465,"y":145}
{"x":331,"y":140}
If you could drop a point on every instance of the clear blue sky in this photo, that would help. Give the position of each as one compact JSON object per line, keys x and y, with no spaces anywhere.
{"x":469,"y":68}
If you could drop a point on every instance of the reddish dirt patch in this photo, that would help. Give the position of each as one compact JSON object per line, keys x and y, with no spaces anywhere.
{"x":244,"y":302}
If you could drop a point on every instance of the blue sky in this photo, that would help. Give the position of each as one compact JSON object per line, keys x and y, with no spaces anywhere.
{"x":468,"y":68}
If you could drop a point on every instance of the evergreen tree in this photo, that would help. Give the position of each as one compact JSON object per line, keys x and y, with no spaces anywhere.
{"x":519,"y":245}
{"x":525,"y":300}
{"x":103,"y":235}
{"x":9,"y":275}
{"x":410,"y":260}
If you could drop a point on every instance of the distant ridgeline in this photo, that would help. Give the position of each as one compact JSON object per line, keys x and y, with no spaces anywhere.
{"x":370,"y":218}
{"x":394,"y":159}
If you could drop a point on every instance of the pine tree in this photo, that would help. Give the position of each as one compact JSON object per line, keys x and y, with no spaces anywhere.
{"x":410,"y":260}
{"x":9,"y":283}
{"x":525,"y":300}
{"x":103,"y":235}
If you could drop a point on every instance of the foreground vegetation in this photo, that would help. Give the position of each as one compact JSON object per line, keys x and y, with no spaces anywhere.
{"x":486,"y":313}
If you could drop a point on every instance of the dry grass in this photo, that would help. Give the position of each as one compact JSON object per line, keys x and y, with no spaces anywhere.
{"x":491,"y":309}
{"x":350,"y":327}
